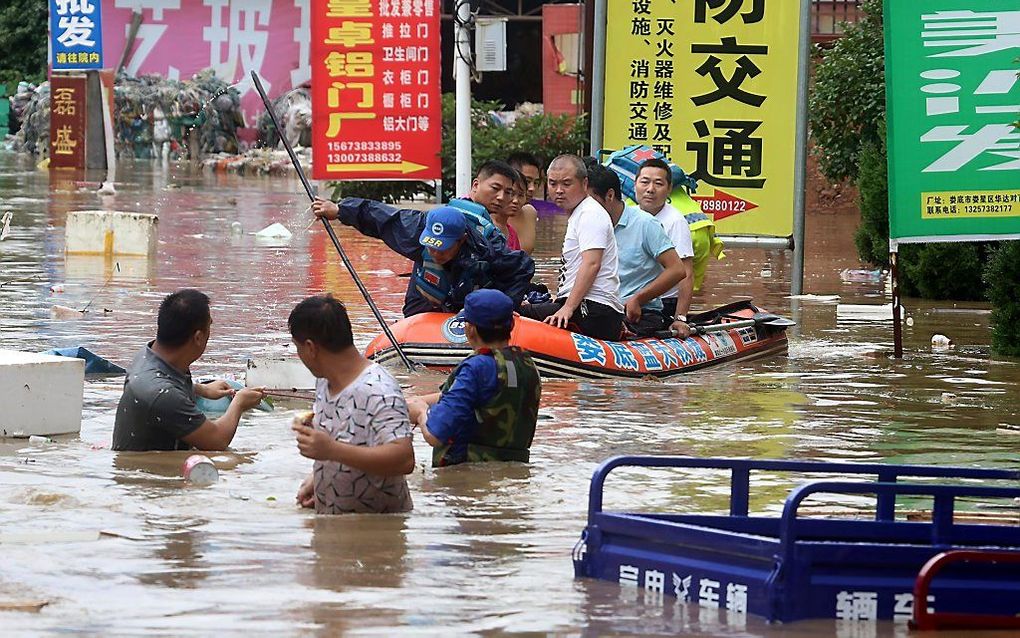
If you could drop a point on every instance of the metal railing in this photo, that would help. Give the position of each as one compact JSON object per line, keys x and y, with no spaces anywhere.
{"x":828,"y":16}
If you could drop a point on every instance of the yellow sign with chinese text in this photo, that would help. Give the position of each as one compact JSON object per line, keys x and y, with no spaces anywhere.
{"x":712,"y":84}
{"x":965,"y":204}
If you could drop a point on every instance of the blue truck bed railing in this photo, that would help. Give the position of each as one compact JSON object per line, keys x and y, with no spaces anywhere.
{"x":791,"y":567}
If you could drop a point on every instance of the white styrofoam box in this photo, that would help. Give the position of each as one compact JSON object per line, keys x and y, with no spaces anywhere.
{"x":40,"y":394}
{"x":103,"y":232}
{"x":864,"y":312}
{"x":278,"y":373}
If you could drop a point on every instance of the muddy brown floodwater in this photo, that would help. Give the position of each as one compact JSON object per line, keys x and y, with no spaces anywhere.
{"x":487,"y":548}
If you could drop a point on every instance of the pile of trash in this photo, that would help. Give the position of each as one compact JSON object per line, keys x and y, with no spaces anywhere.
{"x":31,"y":108}
{"x":259,"y":161}
{"x":157,"y":117}
{"x":19,"y":102}
{"x":153,"y":116}
{"x":294,"y":110}
{"x":509,"y":118}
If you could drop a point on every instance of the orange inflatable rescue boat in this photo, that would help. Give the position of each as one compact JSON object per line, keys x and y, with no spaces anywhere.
{"x":738,"y":331}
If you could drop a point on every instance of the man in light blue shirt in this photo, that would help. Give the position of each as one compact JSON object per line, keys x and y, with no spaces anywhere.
{"x":648,"y":265}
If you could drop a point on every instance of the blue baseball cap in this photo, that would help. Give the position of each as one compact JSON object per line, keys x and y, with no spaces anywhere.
{"x":487,"y":308}
{"x":443,"y":227}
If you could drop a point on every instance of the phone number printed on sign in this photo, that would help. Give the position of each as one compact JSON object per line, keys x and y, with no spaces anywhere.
{"x":375,"y":89}
{"x":970,"y":204}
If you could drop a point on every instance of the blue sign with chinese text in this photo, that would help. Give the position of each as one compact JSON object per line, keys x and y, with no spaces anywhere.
{"x":76,"y":34}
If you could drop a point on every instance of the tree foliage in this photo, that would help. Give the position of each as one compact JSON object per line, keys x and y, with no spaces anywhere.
{"x":1002,"y":279}
{"x":872,"y":236}
{"x":847,"y":102}
{"x":23,"y":28}
{"x":546,"y":136}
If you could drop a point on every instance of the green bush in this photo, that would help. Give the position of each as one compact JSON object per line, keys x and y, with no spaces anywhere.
{"x":544,"y":135}
{"x":872,"y":236}
{"x":1002,"y":278}
{"x":847,"y":100}
{"x":942,"y":271}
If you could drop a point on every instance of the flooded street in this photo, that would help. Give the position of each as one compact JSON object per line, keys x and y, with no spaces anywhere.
{"x":487,"y":548}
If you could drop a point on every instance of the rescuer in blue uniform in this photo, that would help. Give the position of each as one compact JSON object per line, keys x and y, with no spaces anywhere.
{"x":488,"y":407}
{"x":451,"y":256}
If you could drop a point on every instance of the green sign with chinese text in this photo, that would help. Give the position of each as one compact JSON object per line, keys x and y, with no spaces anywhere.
{"x":953,"y":102}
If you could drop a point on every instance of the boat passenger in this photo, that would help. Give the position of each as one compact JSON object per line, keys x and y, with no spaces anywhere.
{"x":648,"y":264}
{"x":489,"y":195}
{"x":526,"y":220}
{"x":504,"y":220}
{"x":358,"y":433}
{"x":158,"y":410}
{"x":652,"y":186}
{"x":451,"y":257}
{"x":588,"y":295}
{"x":488,"y":407}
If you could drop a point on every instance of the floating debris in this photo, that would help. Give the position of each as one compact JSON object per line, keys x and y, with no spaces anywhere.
{"x":862,"y":276}
{"x":5,"y":225}
{"x":274,"y":231}
{"x":941,"y":342}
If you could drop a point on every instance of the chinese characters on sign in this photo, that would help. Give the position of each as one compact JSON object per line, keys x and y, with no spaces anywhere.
{"x":76,"y":34}
{"x":954,"y":98}
{"x":375,"y":78}
{"x":67,"y":121}
{"x":712,"y":84}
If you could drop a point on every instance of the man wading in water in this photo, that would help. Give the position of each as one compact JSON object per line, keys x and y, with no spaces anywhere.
{"x":488,"y":406}
{"x":358,"y":434}
{"x":157,"y":410}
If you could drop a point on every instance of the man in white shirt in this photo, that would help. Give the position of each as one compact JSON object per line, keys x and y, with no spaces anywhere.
{"x":652,"y":186}
{"x":588,"y":298}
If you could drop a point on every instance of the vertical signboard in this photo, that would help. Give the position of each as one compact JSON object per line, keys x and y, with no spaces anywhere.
{"x":953,"y":101}
{"x":76,"y":34}
{"x":376,"y":109}
{"x":67,"y":121}
{"x":713,"y":85}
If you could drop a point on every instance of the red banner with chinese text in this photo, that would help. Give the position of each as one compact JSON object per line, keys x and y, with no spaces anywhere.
{"x":67,"y":121}
{"x":376,"y":108}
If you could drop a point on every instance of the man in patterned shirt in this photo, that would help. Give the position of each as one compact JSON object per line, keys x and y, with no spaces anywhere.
{"x":359,"y":434}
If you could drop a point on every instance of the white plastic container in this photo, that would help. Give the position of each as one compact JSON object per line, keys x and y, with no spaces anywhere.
{"x":42,"y":394}
{"x":199,"y":470}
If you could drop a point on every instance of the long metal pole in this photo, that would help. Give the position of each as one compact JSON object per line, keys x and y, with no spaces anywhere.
{"x":797,"y":281}
{"x":897,"y":327}
{"x":325,"y":223}
{"x":462,"y":71}
{"x":598,"y":77}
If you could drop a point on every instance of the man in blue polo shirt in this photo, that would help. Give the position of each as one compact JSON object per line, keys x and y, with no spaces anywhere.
{"x":488,"y":407}
{"x":649,"y":267}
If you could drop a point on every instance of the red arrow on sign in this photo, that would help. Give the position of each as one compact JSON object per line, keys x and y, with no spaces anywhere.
{"x":722,"y":205}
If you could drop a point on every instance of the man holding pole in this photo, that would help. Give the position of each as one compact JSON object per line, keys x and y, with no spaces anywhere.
{"x":451,"y":258}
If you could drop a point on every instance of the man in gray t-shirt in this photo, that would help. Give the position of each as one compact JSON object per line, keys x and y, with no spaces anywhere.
{"x":157,"y":410}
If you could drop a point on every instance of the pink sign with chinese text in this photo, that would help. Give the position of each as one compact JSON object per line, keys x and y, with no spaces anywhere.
{"x":178,"y":38}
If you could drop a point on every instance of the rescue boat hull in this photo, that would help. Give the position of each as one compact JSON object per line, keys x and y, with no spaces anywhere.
{"x":436,"y":340}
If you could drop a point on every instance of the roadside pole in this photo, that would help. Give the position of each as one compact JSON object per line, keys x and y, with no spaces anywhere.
{"x":897,"y":309}
{"x":799,"y":180}
{"x":598,"y":77}
{"x":462,"y":71}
